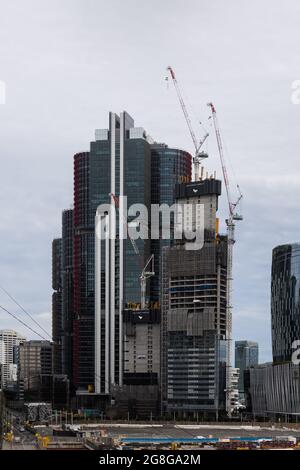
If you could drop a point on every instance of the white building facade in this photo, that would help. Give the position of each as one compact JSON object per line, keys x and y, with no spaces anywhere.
{"x":8,"y":340}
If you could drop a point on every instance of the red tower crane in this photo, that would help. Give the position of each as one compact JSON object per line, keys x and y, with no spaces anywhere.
{"x":199,"y":155}
{"x":230,"y":222}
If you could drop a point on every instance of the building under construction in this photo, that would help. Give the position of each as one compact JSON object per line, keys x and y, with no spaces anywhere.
{"x":233,"y":216}
{"x":194,"y":311}
{"x":139,"y":395}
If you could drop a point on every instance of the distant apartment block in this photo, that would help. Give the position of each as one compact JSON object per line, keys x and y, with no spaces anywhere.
{"x":9,"y":339}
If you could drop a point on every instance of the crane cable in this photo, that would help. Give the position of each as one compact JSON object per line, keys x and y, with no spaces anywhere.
{"x":25,"y":311}
{"x":23,"y":323}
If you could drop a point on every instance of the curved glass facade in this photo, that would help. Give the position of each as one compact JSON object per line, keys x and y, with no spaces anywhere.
{"x":169,"y":166}
{"x":285,"y":295}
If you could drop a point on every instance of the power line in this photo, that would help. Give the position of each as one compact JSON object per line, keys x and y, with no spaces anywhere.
{"x":25,"y":311}
{"x":23,"y":323}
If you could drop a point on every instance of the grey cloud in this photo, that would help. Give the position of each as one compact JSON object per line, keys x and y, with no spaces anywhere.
{"x":66,"y":63}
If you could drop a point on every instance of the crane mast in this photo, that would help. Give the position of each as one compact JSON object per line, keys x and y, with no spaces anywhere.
{"x":199,"y":156}
{"x":146,"y":273}
{"x":230,"y":222}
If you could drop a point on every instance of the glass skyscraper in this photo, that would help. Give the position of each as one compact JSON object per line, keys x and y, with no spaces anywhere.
{"x":285,"y":300}
{"x":57,"y":305}
{"x":101,"y":278}
{"x":67,"y":291}
{"x":169,"y":166}
{"x":123,"y":170}
{"x":246,"y":356}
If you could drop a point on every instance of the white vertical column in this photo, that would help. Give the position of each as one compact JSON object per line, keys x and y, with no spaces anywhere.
{"x":98,"y":303}
{"x":112,"y":247}
{"x":107,"y":306}
{"x":121,"y":247}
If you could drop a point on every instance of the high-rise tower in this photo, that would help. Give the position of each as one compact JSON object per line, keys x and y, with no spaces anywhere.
{"x":169,"y":166}
{"x":194,"y":308}
{"x":57,"y":305}
{"x":67,"y":267}
{"x":127,"y":170}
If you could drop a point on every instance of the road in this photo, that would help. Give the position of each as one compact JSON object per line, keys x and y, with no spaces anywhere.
{"x":27,"y":440}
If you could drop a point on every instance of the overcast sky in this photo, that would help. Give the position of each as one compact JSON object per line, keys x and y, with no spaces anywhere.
{"x":67,"y":63}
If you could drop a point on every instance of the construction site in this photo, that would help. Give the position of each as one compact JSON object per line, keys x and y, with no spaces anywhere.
{"x":51,"y":435}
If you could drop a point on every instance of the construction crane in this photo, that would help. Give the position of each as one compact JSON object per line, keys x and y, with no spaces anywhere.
{"x":117,"y":205}
{"x":146,"y":274}
{"x":230,"y":222}
{"x":199,"y":155}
